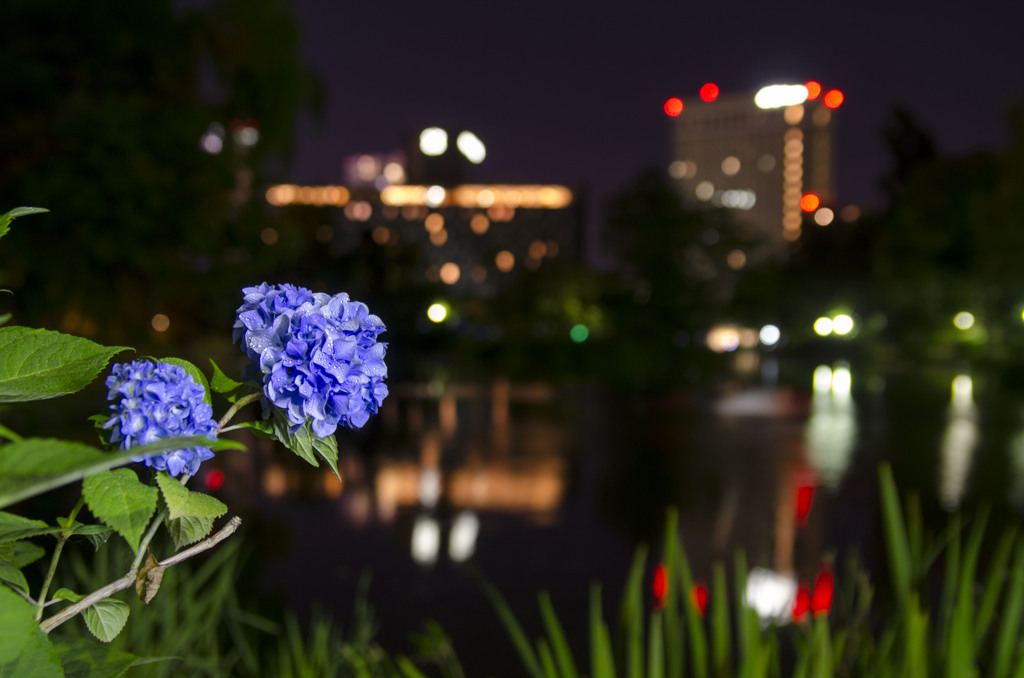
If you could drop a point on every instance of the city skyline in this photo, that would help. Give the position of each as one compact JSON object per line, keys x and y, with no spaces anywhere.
{"x":573,"y":93}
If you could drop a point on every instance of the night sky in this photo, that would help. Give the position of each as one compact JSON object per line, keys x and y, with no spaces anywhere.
{"x":571,"y":92}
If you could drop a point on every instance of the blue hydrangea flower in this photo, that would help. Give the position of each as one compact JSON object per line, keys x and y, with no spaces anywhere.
{"x":153,"y":401}
{"x":318,"y":354}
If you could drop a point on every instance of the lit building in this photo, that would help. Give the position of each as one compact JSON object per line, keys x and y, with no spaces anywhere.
{"x":472,"y":237}
{"x":769,"y":157}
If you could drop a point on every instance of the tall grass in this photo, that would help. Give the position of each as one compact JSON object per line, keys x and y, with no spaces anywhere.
{"x":939,"y":615}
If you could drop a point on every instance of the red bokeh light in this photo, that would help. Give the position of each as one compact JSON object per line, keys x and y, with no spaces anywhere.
{"x":809,"y":202}
{"x":699,"y":597}
{"x":802,"y":603}
{"x":804,"y":501}
{"x":821,"y":599}
{"x":813,"y":89}
{"x":673,"y":107}
{"x":833,"y":98}
{"x":214,"y":479}
{"x":709,"y":92}
{"x":660,"y":586}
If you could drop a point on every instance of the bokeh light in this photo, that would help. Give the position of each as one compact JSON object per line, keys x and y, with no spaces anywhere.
{"x":963,"y":320}
{"x":809,"y":202}
{"x":842,"y":324}
{"x":673,"y":107}
{"x":437,"y":312}
{"x":813,"y":89}
{"x":160,"y":322}
{"x":833,"y":98}
{"x":579,"y":333}
{"x":823,"y":326}
{"x":709,"y":92}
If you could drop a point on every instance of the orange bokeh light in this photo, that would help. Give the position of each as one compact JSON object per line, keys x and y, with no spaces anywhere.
{"x":809,"y":202}
{"x":709,"y":92}
{"x":833,"y":98}
{"x":673,"y":107}
{"x":813,"y":89}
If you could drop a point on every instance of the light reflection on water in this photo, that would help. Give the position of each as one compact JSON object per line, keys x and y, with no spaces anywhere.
{"x":542,"y":488}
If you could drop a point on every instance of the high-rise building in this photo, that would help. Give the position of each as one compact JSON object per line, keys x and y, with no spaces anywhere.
{"x":768,"y":156}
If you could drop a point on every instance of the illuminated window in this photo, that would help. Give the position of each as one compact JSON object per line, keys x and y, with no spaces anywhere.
{"x":479,"y":224}
{"x":450,"y":273}
{"x":704,"y":191}
{"x":434,"y":222}
{"x":731,"y":166}
{"x":793,"y":114}
{"x":505,"y":261}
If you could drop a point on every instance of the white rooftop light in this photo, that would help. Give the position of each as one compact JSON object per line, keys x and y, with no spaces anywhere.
{"x":433,"y":141}
{"x":471,"y":147}
{"x":776,"y":96}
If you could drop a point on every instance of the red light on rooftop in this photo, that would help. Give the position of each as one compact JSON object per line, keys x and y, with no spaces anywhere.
{"x":809,"y":202}
{"x":813,"y":89}
{"x":709,"y":92}
{"x":833,"y":98}
{"x":673,"y":107}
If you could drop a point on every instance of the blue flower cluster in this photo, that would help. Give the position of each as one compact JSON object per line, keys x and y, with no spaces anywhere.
{"x":153,"y":401}
{"x":318,"y":354}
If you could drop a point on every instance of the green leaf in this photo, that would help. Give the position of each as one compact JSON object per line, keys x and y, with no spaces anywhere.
{"x":82,"y":658}
{"x":36,"y":465}
{"x":66,"y":594}
{"x":302,"y":442}
{"x":24,"y":648}
{"x":192,"y":371}
{"x":183,"y":502}
{"x":14,"y":527}
{"x":41,"y":364}
{"x":121,"y":501}
{"x":8,"y":217}
{"x":5,"y":317}
{"x":221,"y":383}
{"x":559,"y":644}
{"x":13,"y":577}
{"x":21,"y":553}
{"x":189,"y":530}
{"x":106,"y":618}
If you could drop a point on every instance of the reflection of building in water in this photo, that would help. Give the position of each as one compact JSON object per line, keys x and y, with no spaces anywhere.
{"x":958,"y":442}
{"x":832,"y":428}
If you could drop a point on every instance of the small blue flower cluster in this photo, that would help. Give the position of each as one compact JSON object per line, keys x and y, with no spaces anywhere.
{"x":318,"y":354}
{"x":153,"y":401}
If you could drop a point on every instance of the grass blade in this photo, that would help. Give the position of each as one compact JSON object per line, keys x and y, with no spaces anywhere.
{"x":631,"y":617}
{"x":515,"y":631}
{"x":674,"y":641}
{"x":720,"y":632}
{"x":559,"y":645}
{"x":655,"y":650}
{"x":694,"y":623}
{"x":1006,"y":637}
{"x":897,"y":544}
{"x":993,"y":584}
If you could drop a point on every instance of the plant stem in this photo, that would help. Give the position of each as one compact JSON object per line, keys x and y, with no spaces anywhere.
{"x":61,"y":540}
{"x":144,"y":544}
{"x":128,"y":579}
{"x":242,"y":402}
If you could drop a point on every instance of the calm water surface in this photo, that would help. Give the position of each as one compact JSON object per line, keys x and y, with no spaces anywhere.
{"x":545,"y":488}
